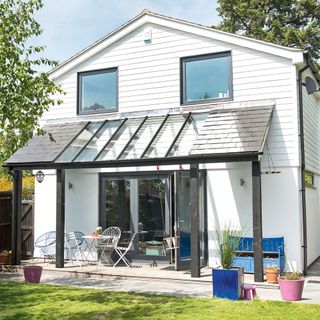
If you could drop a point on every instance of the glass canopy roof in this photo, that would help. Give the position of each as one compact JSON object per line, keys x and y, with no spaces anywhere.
{"x":137,"y":138}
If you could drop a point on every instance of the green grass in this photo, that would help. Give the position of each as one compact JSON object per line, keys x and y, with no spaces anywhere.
{"x":21,"y":301}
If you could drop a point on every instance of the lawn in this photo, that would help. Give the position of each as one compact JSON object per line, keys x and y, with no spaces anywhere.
{"x":21,"y":301}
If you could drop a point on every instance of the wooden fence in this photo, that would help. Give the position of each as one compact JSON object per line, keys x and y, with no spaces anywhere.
{"x":27,"y":224}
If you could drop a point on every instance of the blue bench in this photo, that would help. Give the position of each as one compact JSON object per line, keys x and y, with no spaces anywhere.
{"x":273,"y":253}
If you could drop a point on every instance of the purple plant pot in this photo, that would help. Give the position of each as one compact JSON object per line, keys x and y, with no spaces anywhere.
{"x":291,"y":290}
{"x":32,"y":274}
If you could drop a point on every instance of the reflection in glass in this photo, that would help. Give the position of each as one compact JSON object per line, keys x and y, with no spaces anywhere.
{"x":188,"y":135}
{"x":120,"y":139}
{"x":71,"y":151}
{"x":142,"y":138}
{"x":165,"y":137}
{"x":99,"y":141}
{"x":98,"y":90}
{"x":151,"y":216}
{"x":117,"y":200}
{"x":207,"y":78}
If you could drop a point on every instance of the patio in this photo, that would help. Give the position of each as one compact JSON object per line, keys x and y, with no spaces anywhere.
{"x":160,"y":280}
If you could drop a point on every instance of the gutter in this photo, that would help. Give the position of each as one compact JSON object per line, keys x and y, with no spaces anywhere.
{"x":303,"y":166}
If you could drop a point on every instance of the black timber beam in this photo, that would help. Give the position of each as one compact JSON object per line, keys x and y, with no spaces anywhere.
{"x":257,"y":221}
{"x":60,"y":218}
{"x":16,"y":217}
{"x":191,"y":159}
{"x":195,"y":220}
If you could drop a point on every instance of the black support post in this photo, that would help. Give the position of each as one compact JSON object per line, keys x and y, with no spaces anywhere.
{"x":60,"y":218}
{"x":257,"y":222}
{"x":195,"y":220}
{"x":16,"y":217}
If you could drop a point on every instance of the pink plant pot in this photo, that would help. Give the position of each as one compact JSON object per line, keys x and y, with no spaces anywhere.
{"x":32,"y":274}
{"x":291,"y":290}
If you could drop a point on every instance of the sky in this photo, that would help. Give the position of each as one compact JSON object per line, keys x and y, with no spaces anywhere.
{"x":71,"y":25}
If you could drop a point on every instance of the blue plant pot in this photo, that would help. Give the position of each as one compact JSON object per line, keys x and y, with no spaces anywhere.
{"x":227,"y":283}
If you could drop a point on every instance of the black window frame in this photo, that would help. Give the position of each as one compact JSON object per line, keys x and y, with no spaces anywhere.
{"x":79,"y":90}
{"x":183,"y":61}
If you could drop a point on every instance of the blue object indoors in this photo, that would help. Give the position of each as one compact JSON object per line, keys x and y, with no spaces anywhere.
{"x":225,"y":283}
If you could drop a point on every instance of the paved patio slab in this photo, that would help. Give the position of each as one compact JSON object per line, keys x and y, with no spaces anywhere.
{"x":145,"y":284}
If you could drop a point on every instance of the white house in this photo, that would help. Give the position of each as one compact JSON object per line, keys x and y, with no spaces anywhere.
{"x":172,"y":128}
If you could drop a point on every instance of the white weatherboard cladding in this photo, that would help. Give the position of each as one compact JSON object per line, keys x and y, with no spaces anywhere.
{"x":229,"y":201}
{"x":149,"y":79}
{"x":311,"y":113}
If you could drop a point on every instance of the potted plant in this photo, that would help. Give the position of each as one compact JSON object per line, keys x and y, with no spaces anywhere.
{"x":5,"y":257}
{"x":272,"y":272}
{"x":291,"y":286}
{"x":98,"y":232}
{"x":227,"y":281}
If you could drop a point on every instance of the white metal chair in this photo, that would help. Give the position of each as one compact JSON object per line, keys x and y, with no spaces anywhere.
{"x":108,"y":243}
{"x":74,"y":241}
{"x":46,"y":245}
{"x":122,"y":251}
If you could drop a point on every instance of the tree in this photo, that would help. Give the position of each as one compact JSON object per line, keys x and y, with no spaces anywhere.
{"x":25,"y":94}
{"x":292,"y":23}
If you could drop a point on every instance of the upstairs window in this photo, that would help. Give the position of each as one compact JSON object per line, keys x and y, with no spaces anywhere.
{"x":98,"y":91}
{"x":206,"y":78}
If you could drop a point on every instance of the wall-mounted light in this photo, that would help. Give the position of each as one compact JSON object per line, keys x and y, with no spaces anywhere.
{"x":147,"y":37}
{"x":242,"y":182}
{"x":40,"y":176}
{"x":70,"y":185}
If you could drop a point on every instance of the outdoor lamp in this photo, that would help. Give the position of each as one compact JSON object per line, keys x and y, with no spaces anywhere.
{"x":39,"y":176}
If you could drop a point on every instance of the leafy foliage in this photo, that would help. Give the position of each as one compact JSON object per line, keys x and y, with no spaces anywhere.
{"x":27,"y":184}
{"x":291,"y":275}
{"x":292,"y":23}
{"x":24,"y":94}
{"x":228,"y":240}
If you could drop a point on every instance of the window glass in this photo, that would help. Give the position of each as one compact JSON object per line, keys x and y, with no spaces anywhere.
{"x":98,"y":91}
{"x":75,"y":147}
{"x":98,"y":141}
{"x":206,"y":78}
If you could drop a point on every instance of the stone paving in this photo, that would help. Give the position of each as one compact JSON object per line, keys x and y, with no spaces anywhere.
{"x":175,"y":287}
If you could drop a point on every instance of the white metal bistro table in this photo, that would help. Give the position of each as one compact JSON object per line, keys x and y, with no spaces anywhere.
{"x":103,"y":244}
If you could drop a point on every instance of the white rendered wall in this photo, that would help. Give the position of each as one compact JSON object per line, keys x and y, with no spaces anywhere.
{"x":82,"y":201}
{"x":313,"y":221}
{"x":229,"y":201}
{"x":45,"y":205}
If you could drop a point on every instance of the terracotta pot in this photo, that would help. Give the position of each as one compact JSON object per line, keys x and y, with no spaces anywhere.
{"x":291,"y":290}
{"x":5,"y":258}
{"x":272,"y":275}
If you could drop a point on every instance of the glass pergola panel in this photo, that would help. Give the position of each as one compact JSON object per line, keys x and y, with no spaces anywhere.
{"x":165,"y":137}
{"x":75,"y":147}
{"x":188,"y":135}
{"x":98,"y":141}
{"x":119,"y":140}
{"x":142,"y":138}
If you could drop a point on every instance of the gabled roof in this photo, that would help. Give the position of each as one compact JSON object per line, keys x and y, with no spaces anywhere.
{"x":146,"y":16}
{"x":222,"y":135}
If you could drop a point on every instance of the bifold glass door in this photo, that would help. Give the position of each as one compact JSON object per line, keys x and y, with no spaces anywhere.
{"x":142,"y":205}
{"x":182,"y":223}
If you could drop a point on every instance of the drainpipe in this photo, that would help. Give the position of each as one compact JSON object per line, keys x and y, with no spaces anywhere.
{"x":303,"y":166}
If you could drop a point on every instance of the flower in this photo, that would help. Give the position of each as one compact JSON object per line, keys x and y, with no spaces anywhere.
{"x":272,"y":267}
{"x":99,"y":230}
